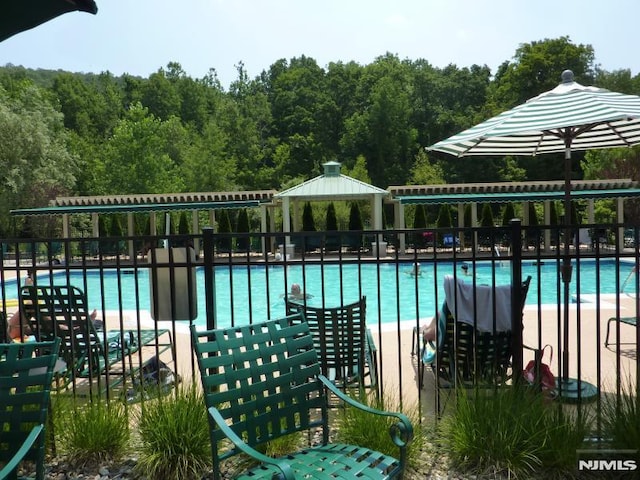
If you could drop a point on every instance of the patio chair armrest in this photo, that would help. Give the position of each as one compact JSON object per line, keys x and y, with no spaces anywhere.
{"x":371,"y":345}
{"x":401,"y":431}
{"x":285,"y":469}
{"x":24,"y":449}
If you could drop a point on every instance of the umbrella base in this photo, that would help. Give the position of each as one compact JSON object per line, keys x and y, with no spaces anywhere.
{"x":570,"y":390}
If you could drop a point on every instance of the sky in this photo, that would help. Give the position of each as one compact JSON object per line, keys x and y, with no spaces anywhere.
{"x":139,"y":37}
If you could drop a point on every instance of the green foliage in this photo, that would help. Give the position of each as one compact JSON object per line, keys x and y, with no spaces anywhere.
{"x":553,"y":213}
{"x":533,"y":215}
{"x":355,"y":219}
{"x":184,"y":227}
{"x":331,"y":219}
{"x":511,"y":431}
{"x":224,"y":226}
{"x":356,"y":427}
{"x":424,"y":172}
{"x":93,"y":432}
{"x":444,"y":217}
{"x":486,"y":219}
{"x":621,"y":417}
{"x":242,"y":226}
{"x":508,"y":214}
{"x":174,"y":436}
{"x":308,"y":224}
{"x":420,"y":217}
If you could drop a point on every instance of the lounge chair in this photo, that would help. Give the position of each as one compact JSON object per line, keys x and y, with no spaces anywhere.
{"x":477,"y":348}
{"x":262,"y":382}
{"x":62,"y":311}
{"x":26,"y":375}
{"x":633,"y":321}
{"x":344,"y":343}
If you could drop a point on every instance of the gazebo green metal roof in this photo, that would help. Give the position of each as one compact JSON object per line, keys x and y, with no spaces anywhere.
{"x":332,"y":185}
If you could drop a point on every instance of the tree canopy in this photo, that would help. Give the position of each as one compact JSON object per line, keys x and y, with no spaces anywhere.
{"x":78,"y":134}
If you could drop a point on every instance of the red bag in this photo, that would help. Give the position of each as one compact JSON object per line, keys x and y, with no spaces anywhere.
{"x":545,"y":380}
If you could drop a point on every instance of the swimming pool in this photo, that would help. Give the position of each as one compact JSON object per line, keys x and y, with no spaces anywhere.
{"x":393,"y":294}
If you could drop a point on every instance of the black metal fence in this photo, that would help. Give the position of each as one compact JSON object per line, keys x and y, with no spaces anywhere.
{"x":164,"y":284}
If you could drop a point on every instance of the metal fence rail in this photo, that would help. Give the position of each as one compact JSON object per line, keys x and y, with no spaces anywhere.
{"x":228,"y":279}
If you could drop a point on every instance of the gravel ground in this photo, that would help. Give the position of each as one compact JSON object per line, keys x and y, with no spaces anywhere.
{"x":430,"y":466}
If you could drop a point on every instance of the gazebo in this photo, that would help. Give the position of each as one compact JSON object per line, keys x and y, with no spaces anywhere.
{"x":330,"y":186}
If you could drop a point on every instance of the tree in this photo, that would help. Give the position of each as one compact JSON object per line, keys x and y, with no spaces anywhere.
{"x":35,"y":165}
{"x":143,"y":155}
{"x":355,"y":218}
{"x":508,"y":214}
{"x":331,"y":220}
{"x":486,"y":220}
{"x":242,"y":226}
{"x":419,"y":222}
{"x":225,"y":242}
{"x":424,"y":172}
{"x":308,"y":223}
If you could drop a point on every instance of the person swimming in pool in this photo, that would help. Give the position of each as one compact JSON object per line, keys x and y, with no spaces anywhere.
{"x":296,"y":293}
{"x":415,"y":270}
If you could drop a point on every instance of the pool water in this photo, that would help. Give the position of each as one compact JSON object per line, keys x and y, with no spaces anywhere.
{"x":242,"y":293}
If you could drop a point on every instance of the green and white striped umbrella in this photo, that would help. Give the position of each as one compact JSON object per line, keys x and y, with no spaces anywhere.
{"x":570,"y":117}
{"x":19,"y":15}
{"x":566,"y":118}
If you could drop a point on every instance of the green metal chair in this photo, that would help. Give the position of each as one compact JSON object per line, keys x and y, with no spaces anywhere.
{"x":26,"y":375}
{"x":344,"y":343}
{"x":262,"y":382}
{"x":62,"y":311}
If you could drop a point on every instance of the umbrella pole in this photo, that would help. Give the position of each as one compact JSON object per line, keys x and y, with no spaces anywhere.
{"x":570,"y":390}
{"x":567,"y":269}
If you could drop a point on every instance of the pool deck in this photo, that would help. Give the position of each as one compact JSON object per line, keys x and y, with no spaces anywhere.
{"x":399,"y":367}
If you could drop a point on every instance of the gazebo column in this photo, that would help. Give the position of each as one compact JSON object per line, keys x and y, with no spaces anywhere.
{"x":286,"y":222}
{"x":591,"y":211}
{"x":130,"y":232}
{"x":474,"y":221}
{"x":620,"y":220}
{"x":195,"y":229}
{"x":547,"y":222}
{"x":272,"y":228}
{"x":263,"y":227}
{"x":398,"y":213}
{"x":461,"y":224}
{"x":95,"y":225}
{"x":376,"y":213}
{"x":153,"y":223}
{"x":526,"y":221}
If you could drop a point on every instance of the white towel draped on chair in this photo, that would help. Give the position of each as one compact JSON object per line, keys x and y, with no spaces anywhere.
{"x":460,"y":299}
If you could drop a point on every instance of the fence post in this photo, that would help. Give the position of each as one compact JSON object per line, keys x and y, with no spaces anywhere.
{"x":516,"y":298}
{"x":209,"y":278}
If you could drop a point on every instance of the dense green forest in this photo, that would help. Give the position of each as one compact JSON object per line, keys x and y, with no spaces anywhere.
{"x":64,"y":133}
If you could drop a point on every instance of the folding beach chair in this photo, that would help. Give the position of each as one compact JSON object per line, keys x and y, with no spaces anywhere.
{"x":62,"y":311}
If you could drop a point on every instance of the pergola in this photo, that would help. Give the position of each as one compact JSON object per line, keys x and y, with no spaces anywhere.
{"x":503,"y":192}
{"x":332,"y":185}
{"x":151,"y":203}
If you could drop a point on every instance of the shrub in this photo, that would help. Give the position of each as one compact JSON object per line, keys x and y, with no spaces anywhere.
{"x":174,"y":436}
{"x":621,"y":418}
{"x":92,"y":432}
{"x":513,"y":431}
{"x":356,"y":427}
